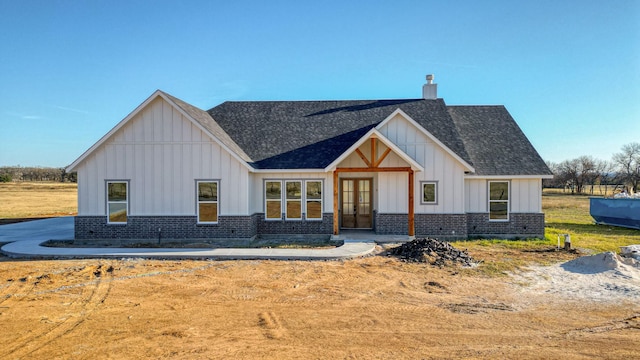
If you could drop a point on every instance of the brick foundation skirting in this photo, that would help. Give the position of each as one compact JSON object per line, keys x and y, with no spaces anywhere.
{"x":461,"y":226}
{"x":520,"y":225}
{"x":449,"y":226}
{"x":391,"y":224}
{"x":166,"y":227}
{"x":445,"y":226}
{"x":297,"y":227}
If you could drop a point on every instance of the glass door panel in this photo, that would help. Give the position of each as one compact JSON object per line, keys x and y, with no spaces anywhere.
{"x":356,"y":203}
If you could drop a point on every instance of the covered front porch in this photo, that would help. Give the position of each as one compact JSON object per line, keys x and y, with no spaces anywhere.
{"x":356,"y":183}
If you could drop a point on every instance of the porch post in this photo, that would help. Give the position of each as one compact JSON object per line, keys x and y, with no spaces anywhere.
{"x":335,"y":202}
{"x":411,"y":210}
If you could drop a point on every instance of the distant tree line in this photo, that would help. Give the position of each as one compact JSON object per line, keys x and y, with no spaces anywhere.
{"x":581,"y":175}
{"x":19,"y":173}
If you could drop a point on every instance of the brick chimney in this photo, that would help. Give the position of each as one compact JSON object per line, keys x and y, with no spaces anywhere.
{"x":430,"y":90}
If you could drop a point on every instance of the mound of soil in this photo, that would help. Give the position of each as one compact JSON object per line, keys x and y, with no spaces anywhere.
{"x":432,"y":251}
{"x":602,"y":262}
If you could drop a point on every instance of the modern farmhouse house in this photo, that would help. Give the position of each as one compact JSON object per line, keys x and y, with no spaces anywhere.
{"x":248,"y":168}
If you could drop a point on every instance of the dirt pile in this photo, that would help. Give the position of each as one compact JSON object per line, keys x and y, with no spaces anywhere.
{"x":432,"y":251}
{"x":603,"y":277}
{"x":606,"y":261}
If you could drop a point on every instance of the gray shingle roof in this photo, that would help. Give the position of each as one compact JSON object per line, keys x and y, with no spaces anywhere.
{"x":207,"y":122}
{"x":311,"y":134}
{"x":495,"y":143}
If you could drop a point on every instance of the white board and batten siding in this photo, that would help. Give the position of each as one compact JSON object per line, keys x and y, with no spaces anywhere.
{"x":161,"y":153}
{"x":525,"y":195}
{"x":438,"y":166}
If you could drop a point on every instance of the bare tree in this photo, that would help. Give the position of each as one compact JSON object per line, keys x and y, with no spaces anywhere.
{"x":628,"y":164}
{"x":588,"y":173}
{"x":556,"y":182}
{"x":577,"y":173}
{"x":605,"y":174}
{"x":568,"y":174}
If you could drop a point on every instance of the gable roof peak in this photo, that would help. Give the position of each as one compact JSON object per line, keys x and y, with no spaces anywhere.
{"x":198,"y":117}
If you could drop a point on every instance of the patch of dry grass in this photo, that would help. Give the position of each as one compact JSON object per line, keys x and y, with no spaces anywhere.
{"x":37,"y":199}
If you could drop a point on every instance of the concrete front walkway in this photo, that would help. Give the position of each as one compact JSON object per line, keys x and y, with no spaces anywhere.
{"x":33,"y":249}
{"x":25,"y":239}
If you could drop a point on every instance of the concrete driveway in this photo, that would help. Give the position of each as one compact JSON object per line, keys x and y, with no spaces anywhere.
{"x":59,"y":228}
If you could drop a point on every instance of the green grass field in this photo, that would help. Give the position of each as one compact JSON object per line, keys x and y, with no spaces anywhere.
{"x":569,"y":214}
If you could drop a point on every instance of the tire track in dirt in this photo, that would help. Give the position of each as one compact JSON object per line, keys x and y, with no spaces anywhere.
{"x":78,"y":312}
{"x":8,"y":291}
{"x":23,"y":288}
{"x":18,"y":290}
{"x":270,"y":325}
{"x":632,"y":322}
{"x":475,"y":307}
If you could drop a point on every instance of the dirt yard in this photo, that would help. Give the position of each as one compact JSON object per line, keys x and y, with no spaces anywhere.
{"x":372,"y":308}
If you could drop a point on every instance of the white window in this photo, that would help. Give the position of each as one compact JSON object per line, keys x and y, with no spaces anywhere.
{"x":207,"y":201}
{"x":313,"y":199}
{"x":293,"y":197}
{"x":429,"y":192}
{"x":273,"y":199}
{"x":117,"y":202}
{"x":499,"y":200}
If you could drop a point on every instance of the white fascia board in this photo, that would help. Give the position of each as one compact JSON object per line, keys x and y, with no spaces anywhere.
{"x":507,"y":177}
{"x":375,"y":133}
{"x":408,"y":118}
{"x":204,"y":130}
{"x":118,"y":126}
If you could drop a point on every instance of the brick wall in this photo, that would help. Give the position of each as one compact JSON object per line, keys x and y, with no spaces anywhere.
{"x":446,"y":226}
{"x":520,"y":225}
{"x":391,"y":224}
{"x":167,"y":227}
{"x":449,"y":226}
{"x":270,"y":227}
{"x":461,"y":226}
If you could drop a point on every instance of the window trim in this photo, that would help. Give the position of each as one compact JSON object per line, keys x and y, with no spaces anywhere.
{"x":283,"y":199}
{"x":266,"y":201}
{"x":198,"y":201}
{"x":508,"y":201}
{"x":428,"y":182}
{"x":107,"y":202}
{"x":286,"y":199}
{"x":307,"y":201}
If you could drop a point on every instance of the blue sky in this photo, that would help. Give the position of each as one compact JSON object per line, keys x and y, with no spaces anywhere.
{"x":568,"y":71}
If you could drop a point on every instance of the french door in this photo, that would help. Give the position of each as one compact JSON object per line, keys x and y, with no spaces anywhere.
{"x":356,"y":203}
